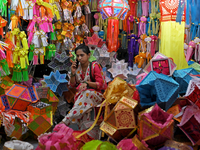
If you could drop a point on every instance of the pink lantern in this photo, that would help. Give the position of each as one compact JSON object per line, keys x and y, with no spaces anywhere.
{"x":114,"y":10}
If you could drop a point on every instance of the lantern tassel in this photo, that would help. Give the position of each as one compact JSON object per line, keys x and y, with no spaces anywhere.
{"x":25,"y":74}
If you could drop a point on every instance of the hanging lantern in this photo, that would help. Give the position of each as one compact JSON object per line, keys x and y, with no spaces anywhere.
{"x":114,"y":10}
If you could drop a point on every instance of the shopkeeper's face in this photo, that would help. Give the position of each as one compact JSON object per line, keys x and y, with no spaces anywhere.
{"x":82,"y":57}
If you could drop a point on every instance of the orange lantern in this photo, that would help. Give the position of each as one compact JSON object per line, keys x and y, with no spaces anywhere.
{"x":3,"y":23}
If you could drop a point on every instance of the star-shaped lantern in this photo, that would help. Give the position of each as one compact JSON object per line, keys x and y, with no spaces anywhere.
{"x":103,"y":57}
{"x":119,"y":69}
{"x":60,"y":62}
{"x":94,"y":41}
{"x":133,"y":72}
{"x":61,"y":57}
{"x":56,"y":82}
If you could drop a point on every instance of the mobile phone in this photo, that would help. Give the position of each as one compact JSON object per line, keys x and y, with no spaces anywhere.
{"x":77,"y":62}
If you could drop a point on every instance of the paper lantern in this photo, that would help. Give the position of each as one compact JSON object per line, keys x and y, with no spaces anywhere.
{"x":120,"y":123}
{"x":133,"y":72}
{"x":155,"y":64}
{"x":190,"y":124}
{"x":155,"y":126}
{"x":57,"y":82}
{"x":195,"y":96}
{"x":47,"y":96}
{"x":17,"y":132}
{"x":114,"y":10}
{"x":103,"y":57}
{"x":4,"y":101}
{"x":192,"y":84}
{"x":94,"y":41}
{"x":119,"y":69}
{"x":60,"y":138}
{"x":60,"y":62}
{"x":19,"y":96}
{"x":41,"y":118}
{"x":158,"y":88}
{"x":183,"y":78}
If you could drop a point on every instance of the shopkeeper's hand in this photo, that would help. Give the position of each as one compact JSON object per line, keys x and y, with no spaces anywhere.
{"x":82,"y":87}
{"x":73,"y":67}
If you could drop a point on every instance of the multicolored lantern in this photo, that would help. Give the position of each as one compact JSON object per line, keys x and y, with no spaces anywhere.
{"x":114,"y":10}
{"x":18,"y":97}
{"x":42,"y":117}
